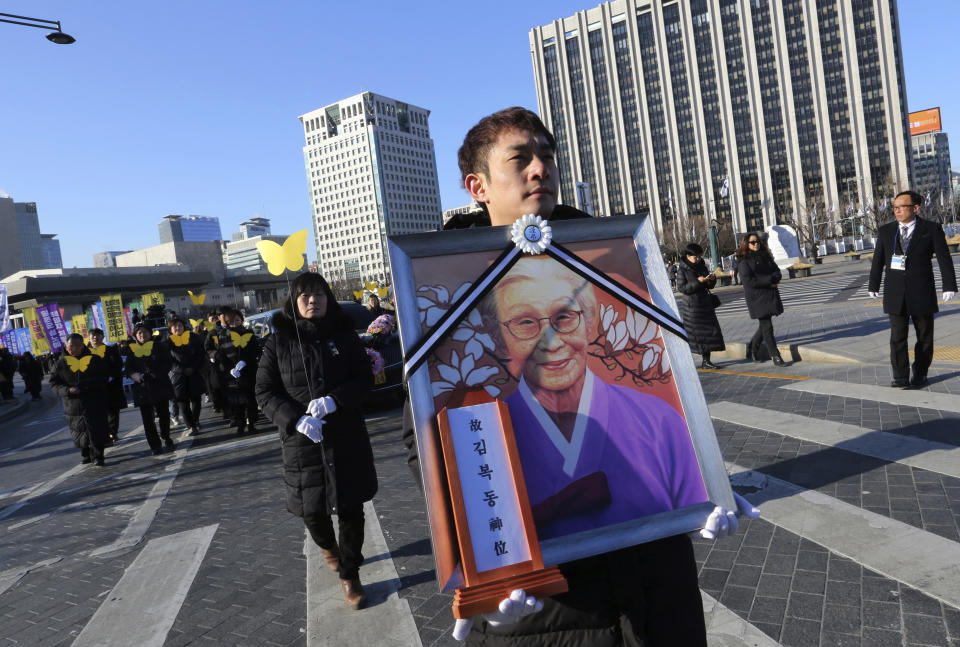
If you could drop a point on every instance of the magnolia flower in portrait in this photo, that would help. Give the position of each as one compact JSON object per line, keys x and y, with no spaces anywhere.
{"x":470,"y":331}
{"x":463,"y":372}
{"x":432,"y":308}
{"x":617,"y":336}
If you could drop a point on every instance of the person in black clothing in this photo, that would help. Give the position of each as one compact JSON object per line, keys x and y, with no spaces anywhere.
{"x":188,"y":360}
{"x":373,"y":305}
{"x":760,"y":276}
{"x":8,"y":368}
{"x":646,"y":594}
{"x":80,"y":379}
{"x":211,"y":378}
{"x":904,"y":250}
{"x":235,"y":353}
{"x":32,"y":373}
{"x":697,"y":309}
{"x":311,"y":382}
{"x":148,"y":365}
{"x":116,"y":398}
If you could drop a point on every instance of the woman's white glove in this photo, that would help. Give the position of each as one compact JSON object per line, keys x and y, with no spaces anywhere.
{"x":311,"y":427}
{"x":722,"y":523}
{"x":322,"y":407}
{"x":235,"y":371}
{"x":513,"y":609}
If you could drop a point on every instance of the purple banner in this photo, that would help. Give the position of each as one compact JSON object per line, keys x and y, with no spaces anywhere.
{"x":58,"y":323}
{"x":49,"y":330}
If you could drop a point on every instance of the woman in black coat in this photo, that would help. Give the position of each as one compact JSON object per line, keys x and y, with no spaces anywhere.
{"x":760,"y":276}
{"x":80,"y":379}
{"x":312,"y":379}
{"x":32,"y":373}
{"x":116,"y":398}
{"x":235,"y":352}
{"x":697,"y":308}
{"x":148,"y":365}
{"x":187,"y":363}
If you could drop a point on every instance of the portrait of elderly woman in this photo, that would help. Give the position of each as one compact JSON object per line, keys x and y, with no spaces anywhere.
{"x":593,"y":453}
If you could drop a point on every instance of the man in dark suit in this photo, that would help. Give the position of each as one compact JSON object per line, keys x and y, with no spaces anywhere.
{"x":905,"y":249}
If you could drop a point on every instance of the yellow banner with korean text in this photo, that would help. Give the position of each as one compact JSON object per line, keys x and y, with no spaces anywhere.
{"x":113,"y":319}
{"x":37,"y":337}
{"x":78,"y":324}
{"x":152,"y":299}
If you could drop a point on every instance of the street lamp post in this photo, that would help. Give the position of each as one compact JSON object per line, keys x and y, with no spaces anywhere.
{"x":57,"y":36}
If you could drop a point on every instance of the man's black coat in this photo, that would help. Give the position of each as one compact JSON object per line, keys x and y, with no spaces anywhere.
{"x":912,"y":291}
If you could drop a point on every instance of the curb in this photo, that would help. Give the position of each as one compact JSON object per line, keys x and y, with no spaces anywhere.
{"x":796,"y":352}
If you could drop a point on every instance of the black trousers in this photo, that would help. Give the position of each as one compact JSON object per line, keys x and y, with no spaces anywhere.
{"x":350,"y":542}
{"x":147,"y":414}
{"x":242,"y":408}
{"x":922,"y":350}
{"x":190,"y":409}
{"x":765,"y":333}
{"x":113,"y":421}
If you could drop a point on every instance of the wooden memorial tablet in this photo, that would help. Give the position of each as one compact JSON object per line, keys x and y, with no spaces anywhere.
{"x":498,"y":541}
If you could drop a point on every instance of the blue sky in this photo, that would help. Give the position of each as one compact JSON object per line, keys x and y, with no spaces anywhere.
{"x":191,"y":107}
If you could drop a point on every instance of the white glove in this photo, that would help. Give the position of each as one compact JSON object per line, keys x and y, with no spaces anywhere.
{"x":873,"y":295}
{"x":235,"y":371}
{"x":513,"y":609}
{"x":311,"y":427}
{"x":722,"y":523}
{"x":948,"y":295}
{"x":321,"y":407}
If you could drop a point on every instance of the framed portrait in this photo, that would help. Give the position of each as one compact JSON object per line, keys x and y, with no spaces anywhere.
{"x":584,"y":344}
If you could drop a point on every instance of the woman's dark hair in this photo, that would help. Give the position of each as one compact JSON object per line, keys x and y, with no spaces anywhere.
{"x":95,"y":331}
{"x":314,"y":282}
{"x":140,"y":327}
{"x":744,"y":250}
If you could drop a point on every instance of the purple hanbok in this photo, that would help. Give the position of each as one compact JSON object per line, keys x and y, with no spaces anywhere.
{"x":630,"y":456}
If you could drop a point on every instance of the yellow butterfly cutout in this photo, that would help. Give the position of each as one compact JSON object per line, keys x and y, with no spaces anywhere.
{"x":142,"y":350}
{"x":382,"y":292}
{"x":197,"y":299}
{"x":156,"y":333}
{"x":241,"y":341}
{"x":358,"y":294}
{"x":99,"y":351}
{"x":370,"y":286}
{"x":198,"y":324}
{"x":288,"y":256}
{"x":79,"y":364}
{"x":181,"y":339}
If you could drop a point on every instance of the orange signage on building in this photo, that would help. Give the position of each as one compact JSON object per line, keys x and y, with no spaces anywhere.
{"x":925,"y":121}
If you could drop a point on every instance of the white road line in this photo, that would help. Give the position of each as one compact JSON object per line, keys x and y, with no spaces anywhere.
{"x":143,"y":605}
{"x":386,"y":622}
{"x":726,"y":629}
{"x":14,"y":575}
{"x":910,"y":398}
{"x":33,"y":442}
{"x":70,"y":507}
{"x":907,"y":450}
{"x":915,"y":557}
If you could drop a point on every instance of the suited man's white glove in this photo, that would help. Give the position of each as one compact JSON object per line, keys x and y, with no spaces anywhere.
{"x":311,"y":427}
{"x":321,"y":407}
{"x":235,"y":371}
{"x":513,"y":609}
{"x":722,"y":523}
{"x":948,"y":295}
{"x":873,"y":295}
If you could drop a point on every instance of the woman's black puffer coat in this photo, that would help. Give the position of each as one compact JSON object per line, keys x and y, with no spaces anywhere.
{"x":186,"y":371}
{"x":154,"y":385}
{"x":696,"y":307}
{"x":86,"y":410}
{"x":758,"y":273}
{"x":320,"y":477}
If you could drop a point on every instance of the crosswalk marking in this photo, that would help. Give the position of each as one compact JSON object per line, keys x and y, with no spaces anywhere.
{"x":142,"y":606}
{"x":907,"y":450}
{"x":911,"y":398}
{"x":915,"y":557}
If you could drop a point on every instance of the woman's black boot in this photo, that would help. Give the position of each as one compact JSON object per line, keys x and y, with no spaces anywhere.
{"x":778,"y":361}
{"x":706,"y":363}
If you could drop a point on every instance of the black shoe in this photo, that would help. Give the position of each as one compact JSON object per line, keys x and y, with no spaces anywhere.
{"x":168,"y":443}
{"x":194,"y":431}
{"x":86,"y":460}
{"x":919,"y":380}
{"x":157,"y":451}
{"x":98,"y":462}
{"x":708,"y":364}
{"x":900,"y":384}
{"x":750,"y":353}
{"x":778,"y":361}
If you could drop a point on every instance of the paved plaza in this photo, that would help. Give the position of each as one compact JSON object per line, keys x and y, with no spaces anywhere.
{"x":858,"y":483}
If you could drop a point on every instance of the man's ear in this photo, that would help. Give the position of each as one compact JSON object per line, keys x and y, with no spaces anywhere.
{"x":476,"y":186}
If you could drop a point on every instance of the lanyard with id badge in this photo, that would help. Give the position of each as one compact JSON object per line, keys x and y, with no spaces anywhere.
{"x":899,"y":261}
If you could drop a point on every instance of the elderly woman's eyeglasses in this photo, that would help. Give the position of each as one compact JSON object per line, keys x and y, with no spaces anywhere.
{"x":564,"y":321}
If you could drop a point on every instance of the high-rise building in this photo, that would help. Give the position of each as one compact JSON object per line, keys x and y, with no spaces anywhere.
{"x":753,"y":111}
{"x":371,"y":172}
{"x":256,"y":226}
{"x":931,"y":165}
{"x":22,"y":246}
{"x":189,"y":229}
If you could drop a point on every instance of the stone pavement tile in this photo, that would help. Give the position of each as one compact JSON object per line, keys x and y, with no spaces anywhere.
{"x":882,"y":638}
{"x":807,"y":606}
{"x":798,"y":632}
{"x":925,"y":630}
{"x":768,"y":610}
{"x":737,"y":598}
{"x":915,"y":602}
{"x":841,"y":618}
{"x":745,"y":575}
{"x":809,"y":582}
{"x":881,"y":615}
{"x":880,"y":589}
{"x":776,"y":586}
{"x":843,"y":592}
{"x":835,"y":639}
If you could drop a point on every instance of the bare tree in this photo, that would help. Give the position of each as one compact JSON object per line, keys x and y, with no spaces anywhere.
{"x":879,"y":210}
{"x":341,"y":290}
{"x":812,"y":223}
{"x":681,"y":229}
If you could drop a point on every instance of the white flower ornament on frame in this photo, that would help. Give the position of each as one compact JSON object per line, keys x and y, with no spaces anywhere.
{"x":531,"y":234}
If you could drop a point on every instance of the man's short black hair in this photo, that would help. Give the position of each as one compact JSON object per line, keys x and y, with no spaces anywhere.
{"x":915,"y":198}
{"x":95,"y":331}
{"x":75,"y":337}
{"x":472,"y":156}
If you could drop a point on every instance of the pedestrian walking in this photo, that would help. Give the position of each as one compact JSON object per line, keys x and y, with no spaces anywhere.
{"x":904,"y":250}
{"x":148,"y":365}
{"x":8,"y":368}
{"x":235,"y":352}
{"x":187,"y":363}
{"x":313,"y":376}
{"x":32,"y":373}
{"x":760,"y":276}
{"x":116,"y":398}
{"x":80,"y":379}
{"x":698,"y":305}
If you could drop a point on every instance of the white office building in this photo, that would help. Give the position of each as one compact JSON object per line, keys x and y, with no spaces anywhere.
{"x":372,"y":172}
